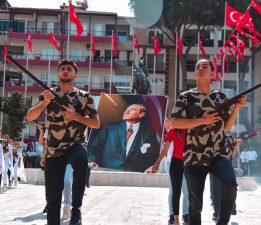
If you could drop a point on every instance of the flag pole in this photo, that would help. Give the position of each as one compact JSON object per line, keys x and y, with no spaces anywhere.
{"x":4,"y":75}
{"x":68,"y":38}
{"x":223,"y":59}
{"x":176,"y":65}
{"x":198,"y":46}
{"x":111,"y":60}
{"x":133,"y":59}
{"x":90,"y":65}
{"x":49,"y":64}
{"x":26,"y":84}
{"x":154,"y":67}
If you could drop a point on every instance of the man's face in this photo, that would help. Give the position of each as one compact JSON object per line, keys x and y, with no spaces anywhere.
{"x":133,"y":113}
{"x":203,"y":71}
{"x":67,"y":74}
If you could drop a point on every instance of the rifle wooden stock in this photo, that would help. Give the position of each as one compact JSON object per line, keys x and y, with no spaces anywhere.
{"x":57,"y":99}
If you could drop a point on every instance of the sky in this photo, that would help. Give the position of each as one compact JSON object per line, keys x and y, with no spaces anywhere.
{"x":119,"y":6}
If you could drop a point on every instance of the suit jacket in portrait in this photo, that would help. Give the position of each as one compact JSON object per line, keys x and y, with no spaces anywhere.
{"x":108,"y":148}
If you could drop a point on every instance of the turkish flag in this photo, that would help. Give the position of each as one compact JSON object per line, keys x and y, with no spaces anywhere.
{"x":233,"y":16}
{"x":253,"y":38}
{"x":247,"y":22}
{"x":93,"y":46}
{"x":231,"y":44}
{"x":29,"y":42}
{"x":5,"y":50}
{"x":201,"y":46}
{"x":256,"y":6}
{"x":114,"y":43}
{"x":229,"y":50}
{"x":226,"y":60}
{"x":156,"y":45}
{"x":216,"y":69}
{"x":180,"y":46}
{"x":54,"y":42}
{"x":220,"y":63}
{"x":240,"y":43}
{"x":136,"y":43}
{"x":75,"y":19}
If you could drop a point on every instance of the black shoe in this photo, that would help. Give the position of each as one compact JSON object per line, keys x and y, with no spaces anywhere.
{"x":171,"y":219}
{"x":234,"y":211}
{"x":185,"y":218}
{"x":45,"y":209}
{"x":214,"y":217}
{"x":76,"y":218}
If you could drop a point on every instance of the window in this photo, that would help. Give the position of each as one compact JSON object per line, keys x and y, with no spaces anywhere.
{"x":159,"y":62}
{"x":44,"y":77}
{"x":78,"y":54}
{"x":108,"y":56}
{"x":4,"y":24}
{"x":98,"y":30}
{"x":48,"y":27}
{"x":19,"y":26}
{"x":50,"y":53}
{"x":190,"y":64}
{"x":31,"y":26}
{"x":159,"y":34}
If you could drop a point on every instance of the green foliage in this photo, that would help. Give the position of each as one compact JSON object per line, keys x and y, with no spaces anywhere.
{"x":14,"y":110}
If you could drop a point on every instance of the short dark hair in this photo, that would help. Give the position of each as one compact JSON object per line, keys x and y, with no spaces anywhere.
{"x":212,"y":67}
{"x":68,"y":62}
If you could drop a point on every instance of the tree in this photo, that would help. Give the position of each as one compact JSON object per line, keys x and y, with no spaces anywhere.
{"x":14,"y":109}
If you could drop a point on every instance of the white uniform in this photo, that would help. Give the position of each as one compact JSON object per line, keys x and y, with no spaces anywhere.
{"x":8,"y":163}
{"x":16,"y":164}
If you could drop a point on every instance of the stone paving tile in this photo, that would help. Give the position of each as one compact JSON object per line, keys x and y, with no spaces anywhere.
{"x":107,"y":205}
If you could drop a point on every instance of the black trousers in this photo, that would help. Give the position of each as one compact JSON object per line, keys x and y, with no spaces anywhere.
{"x":222,"y":169}
{"x":176,"y":170}
{"x":54,"y":180}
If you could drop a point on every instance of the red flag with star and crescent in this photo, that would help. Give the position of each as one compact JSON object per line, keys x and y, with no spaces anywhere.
{"x":114,"y":44}
{"x":5,"y":50}
{"x":256,"y":6}
{"x":54,"y":42}
{"x":136,"y":43}
{"x":233,"y":16}
{"x":75,"y":19}
{"x":156,"y":45}
{"x":93,"y":46}
{"x":29,"y":42}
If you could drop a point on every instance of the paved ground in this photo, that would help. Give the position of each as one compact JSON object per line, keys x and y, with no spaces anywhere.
{"x":107,"y":205}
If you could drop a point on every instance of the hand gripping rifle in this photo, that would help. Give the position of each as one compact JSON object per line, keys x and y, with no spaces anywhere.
{"x":56,"y":99}
{"x":225,"y":106}
{"x":245,"y":135}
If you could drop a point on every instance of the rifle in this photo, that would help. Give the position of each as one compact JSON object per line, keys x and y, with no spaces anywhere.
{"x":57,"y":99}
{"x":225,"y":106}
{"x":245,"y":136}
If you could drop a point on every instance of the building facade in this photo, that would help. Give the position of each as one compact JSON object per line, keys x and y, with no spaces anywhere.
{"x":107,"y":73}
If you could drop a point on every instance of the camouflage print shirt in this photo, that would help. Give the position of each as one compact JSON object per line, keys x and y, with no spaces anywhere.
{"x":205,"y":142}
{"x":63,"y":133}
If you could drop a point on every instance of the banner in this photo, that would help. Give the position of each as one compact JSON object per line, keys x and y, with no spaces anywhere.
{"x":130,"y":135}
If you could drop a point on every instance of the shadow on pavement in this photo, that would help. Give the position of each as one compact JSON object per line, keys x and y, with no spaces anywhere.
{"x":31,"y":218}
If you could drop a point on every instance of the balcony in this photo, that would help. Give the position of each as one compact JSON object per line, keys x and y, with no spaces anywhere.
{"x":43,"y":59}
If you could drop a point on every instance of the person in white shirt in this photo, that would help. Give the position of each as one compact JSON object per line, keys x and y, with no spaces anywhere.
{"x":8,"y":159}
{"x":17,"y":155}
{"x":244,"y":161}
{"x":1,"y":162}
{"x":251,"y":157}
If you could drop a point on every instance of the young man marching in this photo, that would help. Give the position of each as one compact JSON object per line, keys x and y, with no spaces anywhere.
{"x":205,"y":150}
